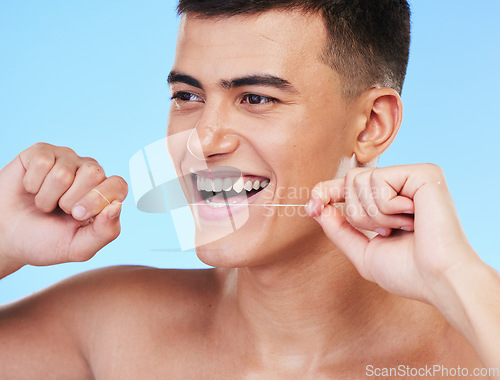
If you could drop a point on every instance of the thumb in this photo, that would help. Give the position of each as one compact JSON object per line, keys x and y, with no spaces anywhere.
{"x":91,"y":238}
{"x":347,"y":238}
{"x":325,"y":208}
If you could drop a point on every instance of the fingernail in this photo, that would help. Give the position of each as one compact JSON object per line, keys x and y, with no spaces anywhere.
{"x":308,"y":208}
{"x":115,"y":211}
{"x":381,"y":231}
{"x":314,"y":207}
{"x":316,"y":194}
{"x":79,"y":212}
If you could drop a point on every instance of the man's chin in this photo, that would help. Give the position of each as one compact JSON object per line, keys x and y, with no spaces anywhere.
{"x":217,"y":257}
{"x":229,"y":252}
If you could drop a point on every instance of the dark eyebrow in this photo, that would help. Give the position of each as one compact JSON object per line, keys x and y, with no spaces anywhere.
{"x":259,"y":80}
{"x":176,"y":77}
{"x":250,"y":80}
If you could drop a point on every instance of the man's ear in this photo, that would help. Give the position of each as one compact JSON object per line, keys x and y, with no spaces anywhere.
{"x":382,"y":111}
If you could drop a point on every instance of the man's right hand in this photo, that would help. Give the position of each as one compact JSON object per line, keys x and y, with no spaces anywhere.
{"x":54,"y":208}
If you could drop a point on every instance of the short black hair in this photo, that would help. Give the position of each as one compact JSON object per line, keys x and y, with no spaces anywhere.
{"x":369,"y":40}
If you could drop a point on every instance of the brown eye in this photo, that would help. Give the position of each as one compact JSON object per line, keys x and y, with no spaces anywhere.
{"x":186,"y":97}
{"x":257,"y":99}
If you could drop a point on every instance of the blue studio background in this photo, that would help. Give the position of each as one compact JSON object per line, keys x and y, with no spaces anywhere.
{"x":91,"y":75}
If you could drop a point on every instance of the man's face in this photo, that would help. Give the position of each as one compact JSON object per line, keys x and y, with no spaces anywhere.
{"x":252,"y":93}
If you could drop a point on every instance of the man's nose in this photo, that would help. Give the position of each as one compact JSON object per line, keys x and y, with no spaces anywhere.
{"x":212,"y":137}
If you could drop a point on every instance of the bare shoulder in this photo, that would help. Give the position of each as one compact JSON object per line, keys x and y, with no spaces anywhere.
{"x":109,"y":295}
{"x":148,"y":317}
{"x":118,"y":286}
{"x":431,"y":341}
{"x":127,"y":282}
{"x":125,"y":292}
{"x":83,"y":323}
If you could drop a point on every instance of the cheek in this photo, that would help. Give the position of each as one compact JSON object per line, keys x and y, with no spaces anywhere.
{"x":307,"y":144}
{"x":312,"y":152}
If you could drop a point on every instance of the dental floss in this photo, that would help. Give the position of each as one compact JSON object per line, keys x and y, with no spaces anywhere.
{"x":98,"y":192}
{"x":262,"y":205}
{"x":243,"y":204}
{"x":250,"y":204}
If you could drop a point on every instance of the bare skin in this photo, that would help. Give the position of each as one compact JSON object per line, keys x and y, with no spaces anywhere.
{"x":306,"y":301}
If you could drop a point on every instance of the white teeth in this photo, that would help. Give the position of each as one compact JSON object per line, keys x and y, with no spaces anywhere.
{"x":227,"y":185}
{"x":207,"y":186}
{"x":217,"y":184}
{"x":238,"y":185}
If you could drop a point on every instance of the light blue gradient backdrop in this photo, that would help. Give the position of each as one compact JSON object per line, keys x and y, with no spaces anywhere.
{"x":91,"y":75}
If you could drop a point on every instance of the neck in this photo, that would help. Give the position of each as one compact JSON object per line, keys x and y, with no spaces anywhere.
{"x":307,"y":304}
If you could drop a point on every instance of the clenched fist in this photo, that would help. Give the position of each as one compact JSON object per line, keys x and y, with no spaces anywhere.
{"x":56,"y":207}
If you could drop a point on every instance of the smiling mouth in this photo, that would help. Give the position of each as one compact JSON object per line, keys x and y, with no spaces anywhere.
{"x":218,"y":190}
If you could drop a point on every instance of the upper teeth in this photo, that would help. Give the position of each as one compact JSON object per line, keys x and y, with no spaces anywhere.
{"x":228,"y":184}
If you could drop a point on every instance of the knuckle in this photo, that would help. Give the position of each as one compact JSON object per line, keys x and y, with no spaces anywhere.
{"x":349,"y":176}
{"x":42,"y":162}
{"x":94,"y":172}
{"x":67,"y":151}
{"x":63,"y":176}
{"x":358,"y":184}
{"x":41,"y":146}
{"x":433,"y":169}
{"x":90,"y":160}
{"x":376,"y":176}
{"x":354,"y":171}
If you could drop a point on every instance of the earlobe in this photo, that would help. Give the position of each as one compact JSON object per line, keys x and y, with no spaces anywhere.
{"x":382,"y":109}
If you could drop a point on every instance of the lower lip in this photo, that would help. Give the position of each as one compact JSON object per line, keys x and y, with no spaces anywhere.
{"x":209,"y":213}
